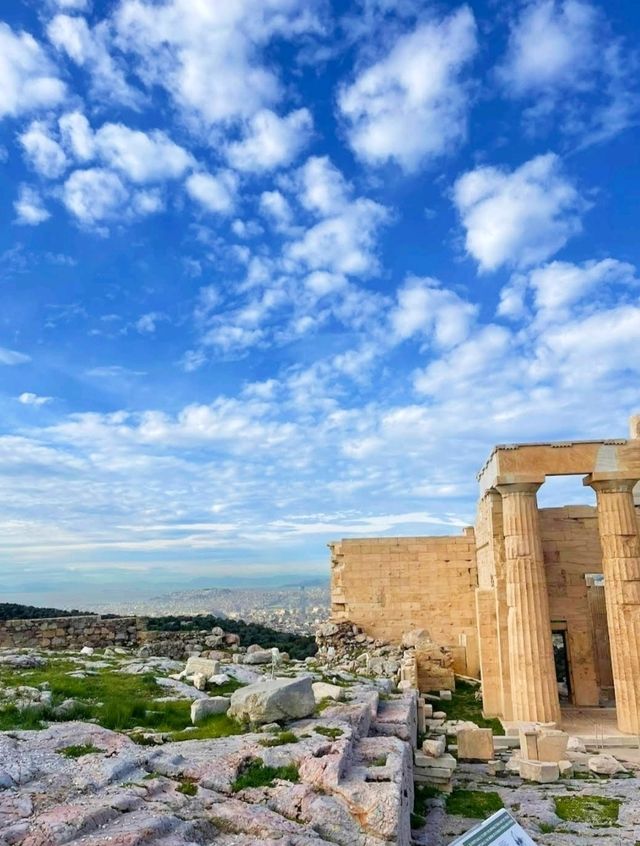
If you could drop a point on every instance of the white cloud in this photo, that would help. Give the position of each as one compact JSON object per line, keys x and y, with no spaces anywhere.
{"x":214,"y":193}
{"x":562,"y":56}
{"x":141,"y":156}
{"x":44,"y":153}
{"x":275,"y":207}
{"x":29,"y":207}
{"x":91,"y":49}
{"x":344,"y":243}
{"x":74,"y":5}
{"x":412,"y":105}
{"x":208,"y":55}
{"x":29,"y":79}
{"x":94,"y":195}
{"x":27,"y":398}
{"x":558,"y":287}
{"x":425,"y":307}
{"x":270,"y":141}
{"x":11,"y":357}
{"x":518,"y":218}
{"x":323,"y":188}
{"x":147,"y":323}
{"x":77,"y":135}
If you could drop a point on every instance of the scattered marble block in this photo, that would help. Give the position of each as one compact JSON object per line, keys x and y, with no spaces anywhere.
{"x":428,"y":710}
{"x":86,"y":650}
{"x":575,"y":744}
{"x":199,"y":681}
{"x":202,"y":708}
{"x":543,"y":772}
{"x":566,"y":769}
{"x":324,"y":690}
{"x":552,"y":746}
{"x":605,"y":764}
{"x":434,"y":747}
{"x":439,"y":715}
{"x":495,"y":767}
{"x":445,"y":695}
{"x":202,"y":665}
{"x":475,"y":744}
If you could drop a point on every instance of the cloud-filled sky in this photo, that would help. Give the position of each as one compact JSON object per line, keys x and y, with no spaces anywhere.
{"x":279,"y":271}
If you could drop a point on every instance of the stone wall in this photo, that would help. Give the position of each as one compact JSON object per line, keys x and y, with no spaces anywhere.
{"x":391,"y":585}
{"x":71,"y":632}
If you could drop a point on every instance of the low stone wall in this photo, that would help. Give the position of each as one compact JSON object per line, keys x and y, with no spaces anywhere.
{"x":72,"y":632}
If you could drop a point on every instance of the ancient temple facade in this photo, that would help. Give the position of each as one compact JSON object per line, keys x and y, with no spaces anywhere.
{"x":541,"y":604}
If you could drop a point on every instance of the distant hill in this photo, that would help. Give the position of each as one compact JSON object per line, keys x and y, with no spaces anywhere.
{"x":12,"y":611}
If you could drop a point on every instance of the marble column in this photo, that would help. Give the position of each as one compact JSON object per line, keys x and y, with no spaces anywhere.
{"x":534,"y":687}
{"x":618,"y":526}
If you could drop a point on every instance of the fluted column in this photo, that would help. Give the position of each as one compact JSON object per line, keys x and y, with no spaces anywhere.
{"x":533,"y":677}
{"x":618,"y":526}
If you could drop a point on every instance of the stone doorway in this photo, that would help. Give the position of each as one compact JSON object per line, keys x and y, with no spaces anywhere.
{"x":561,"y":660}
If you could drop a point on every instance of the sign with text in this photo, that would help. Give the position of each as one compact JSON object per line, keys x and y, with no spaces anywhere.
{"x":499,"y":830}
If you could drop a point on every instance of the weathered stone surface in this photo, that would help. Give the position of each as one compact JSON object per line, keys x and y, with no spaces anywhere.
{"x":605,"y":764}
{"x":495,"y":767}
{"x":202,"y":665}
{"x":552,"y":746}
{"x":434,"y":747}
{"x":202,"y":708}
{"x":540,"y":771}
{"x":259,"y":656}
{"x":475,"y":744}
{"x":323,"y":690}
{"x":273,"y":700}
{"x":199,"y":681}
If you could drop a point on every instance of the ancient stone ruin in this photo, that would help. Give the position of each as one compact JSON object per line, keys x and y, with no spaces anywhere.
{"x":500,"y":595}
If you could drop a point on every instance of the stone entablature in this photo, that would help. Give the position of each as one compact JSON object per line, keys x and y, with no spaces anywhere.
{"x":72,"y":632}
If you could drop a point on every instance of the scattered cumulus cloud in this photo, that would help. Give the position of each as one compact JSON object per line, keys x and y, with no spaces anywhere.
{"x":520,"y":217}
{"x":29,"y":79}
{"x":29,"y":207}
{"x":44,"y":153}
{"x":412,"y":104}
{"x":215,"y":193}
{"x":270,"y":141}
{"x":94,"y":195}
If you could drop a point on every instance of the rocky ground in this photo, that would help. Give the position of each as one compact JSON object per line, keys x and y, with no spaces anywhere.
{"x":126,"y":748}
{"x":278,"y":762}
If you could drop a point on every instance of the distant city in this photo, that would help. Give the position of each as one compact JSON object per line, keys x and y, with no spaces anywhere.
{"x":292,"y":608}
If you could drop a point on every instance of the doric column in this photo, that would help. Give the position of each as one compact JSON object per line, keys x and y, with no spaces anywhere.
{"x":533,"y":677}
{"x":620,"y":542}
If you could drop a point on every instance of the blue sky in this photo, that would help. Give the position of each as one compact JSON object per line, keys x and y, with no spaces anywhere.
{"x":279,"y":271}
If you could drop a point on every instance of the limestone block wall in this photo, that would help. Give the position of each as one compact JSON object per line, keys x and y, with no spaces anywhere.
{"x":71,"y":632}
{"x":390,"y":585}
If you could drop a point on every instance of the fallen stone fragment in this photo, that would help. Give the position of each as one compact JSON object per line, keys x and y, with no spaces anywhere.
{"x":475,"y":744}
{"x":261,"y":656}
{"x":323,"y":690}
{"x":543,"y":772}
{"x":199,"y":681}
{"x":495,"y":767}
{"x":202,"y":665}
{"x":202,"y":708}
{"x":605,"y":764}
{"x":566,"y":769}
{"x":575,"y":744}
{"x":87,"y":650}
{"x":434,"y":747}
{"x":273,"y":700}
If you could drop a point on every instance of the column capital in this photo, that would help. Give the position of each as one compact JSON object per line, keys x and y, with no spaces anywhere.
{"x":521,"y":483}
{"x":613,"y":482}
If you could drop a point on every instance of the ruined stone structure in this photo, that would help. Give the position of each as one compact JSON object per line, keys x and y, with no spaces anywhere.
{"x":501,"y":593}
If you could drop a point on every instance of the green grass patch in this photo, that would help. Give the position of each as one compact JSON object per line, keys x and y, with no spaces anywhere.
{"x":281,"y":739}
{"x":597,"y":811}
{"x":79,"y":751}
{"x":256,"y":774}
{"x":417,"y":820}
{"x":225,"y":689}
{"x":423,"y":792}
{"x":323,"y":705}
{"x":465,"y":706}
{"x":188,"y":787}
{"x":546,"y":828}
{"x":333,"y":733}
{"x":217,"y":725}
{"x":477,"y":804}
{"x":379,"y":762}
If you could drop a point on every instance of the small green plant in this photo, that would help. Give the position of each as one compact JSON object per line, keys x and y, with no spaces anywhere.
{"x":381,"y":761}
{"x":597,"y":811}
{"x":423,"y":792}
{"x":281,"y":739}
{"x":79,"y":751}
{"x":217,"y":725}
{"x":256,"y":774}
{"x":417,"y":820}
{"x":188,"y":787}
{"x":465,"y":706}
{"x":477,"y":804}
{"x":546,"y":828}
{"x":333,"y":733}
{"x":324,"y":704}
